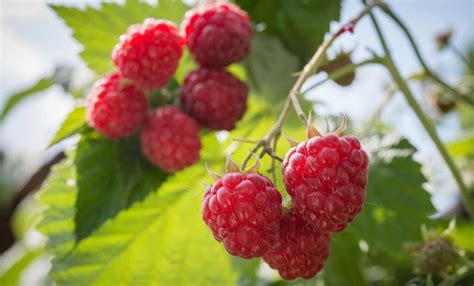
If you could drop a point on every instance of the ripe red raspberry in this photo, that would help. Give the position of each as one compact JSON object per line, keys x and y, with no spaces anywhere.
{"x":116,"y":108}
{"x":243,"y":211}
{"x":170,"y":139}
{"x":214,"y":97}
{"x":217,"y":34}
{"x":326,"y":177}
{"x":300,"y":252}
{"x":149,"y":53}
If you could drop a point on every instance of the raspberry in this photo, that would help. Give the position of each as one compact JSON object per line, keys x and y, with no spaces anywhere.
{"x":326,"y":177}
{"x":116,"y":108}
{"x":243,"y":211}
{"x":217,"y":34}
{"x":299,"y":252}
{"x":214,"y":97}
{"x":149,"y":53}
{"x":170,"y":139}
{"x":435,"y":256}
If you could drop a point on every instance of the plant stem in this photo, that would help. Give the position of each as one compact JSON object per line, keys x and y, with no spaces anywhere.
{"x":428,"y":71}
{"x":460,"y":55}
{"x":344,"y":71}
{"x":389,"y":63}
{"x":308,"y":70}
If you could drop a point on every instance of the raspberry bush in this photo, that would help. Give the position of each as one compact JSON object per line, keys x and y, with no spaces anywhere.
{"x":134,"y":201}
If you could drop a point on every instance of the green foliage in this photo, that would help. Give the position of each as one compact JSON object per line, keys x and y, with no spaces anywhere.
{"x":111,"y":176}
{"x":463,"y":235}
{"x":343,"y":245}
{"x":74,"y":123}
{"x":58,"y":197}
{"x":98,"y":30}
{"x":300,"y":24}
{"x":462,"y":149}
{"x":271,"y":79}
{"x":160,"y":241}
{"x":12,"y":276}
{"x":16,"y":98}
{"x":396,"y":204}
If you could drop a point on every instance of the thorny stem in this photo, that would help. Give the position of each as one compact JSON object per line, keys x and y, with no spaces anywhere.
{"x":308,"y":70}
{"x":428,"y":71}
{"x":389,"y":63}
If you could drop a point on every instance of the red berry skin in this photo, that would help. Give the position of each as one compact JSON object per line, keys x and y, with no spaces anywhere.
{"x":217,"y":34}
{"x":170,"y":139}
{"x":243,"y":212}
{"x":149,"y":53}
{"x":300,"y":252}
{"x":326,"y":178}
{"x":214,"y":97}
{"x":115,"y":108}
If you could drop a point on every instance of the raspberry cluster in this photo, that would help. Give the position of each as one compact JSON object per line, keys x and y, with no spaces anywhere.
{"x":325,"y":176}
{"x":147,"y":57}
{"x":217,"y":35}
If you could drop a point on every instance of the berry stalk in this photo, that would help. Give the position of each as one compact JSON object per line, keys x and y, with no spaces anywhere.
{"x":292,"y":99}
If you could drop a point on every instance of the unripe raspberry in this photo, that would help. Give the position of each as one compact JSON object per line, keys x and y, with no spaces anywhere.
{"x":115,"y":107}
{"x":149,"y":53}
{"x":326,"y":177}
{"x":170,"y":139}
{"x":243,"y":212}
{"x":214,"y":97}
{"x":300,"y":252}
{"x":217,"y":34}
{"x":435,"y":256}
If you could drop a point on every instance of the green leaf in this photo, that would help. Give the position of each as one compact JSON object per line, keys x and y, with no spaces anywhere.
{"x":463,"y":235}
{"x":98,"y":30}
{"x":339,"y":270}
{"x":299,"y":24}
{"x":12,"y":275}
{"x":396,"y":202}
{"x":111,"y":175}
{"x":58,"y":196}
{"x":270,"y":78}
{"x":15,"y":99}
{"x":159,"y":241}
{"x":462,"y":149}
{"x":75,"y":122}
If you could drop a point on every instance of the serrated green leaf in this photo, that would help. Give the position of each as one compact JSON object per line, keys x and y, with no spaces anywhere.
{"x":159,"y":241}
{"x":271,"y":79}
{"x":299,"y":24}
{"x":98,"y":30}
{"x":396,"y":203}
{"x":111,"y":176}
{"x":73,"y":124}
{"x":16,"y":98}
{"x":339,"y":270}
{"x":12,"y":276}
{"x":58,"y":196}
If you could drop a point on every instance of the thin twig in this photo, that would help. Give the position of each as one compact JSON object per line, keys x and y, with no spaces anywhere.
{"x":308,"y":70}
{"x":430,"y":129}
{"x":428,"y":71}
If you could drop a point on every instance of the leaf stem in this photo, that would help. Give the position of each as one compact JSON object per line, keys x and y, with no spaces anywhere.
{"x":420,"y":58}
{"x":389,"y":63}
